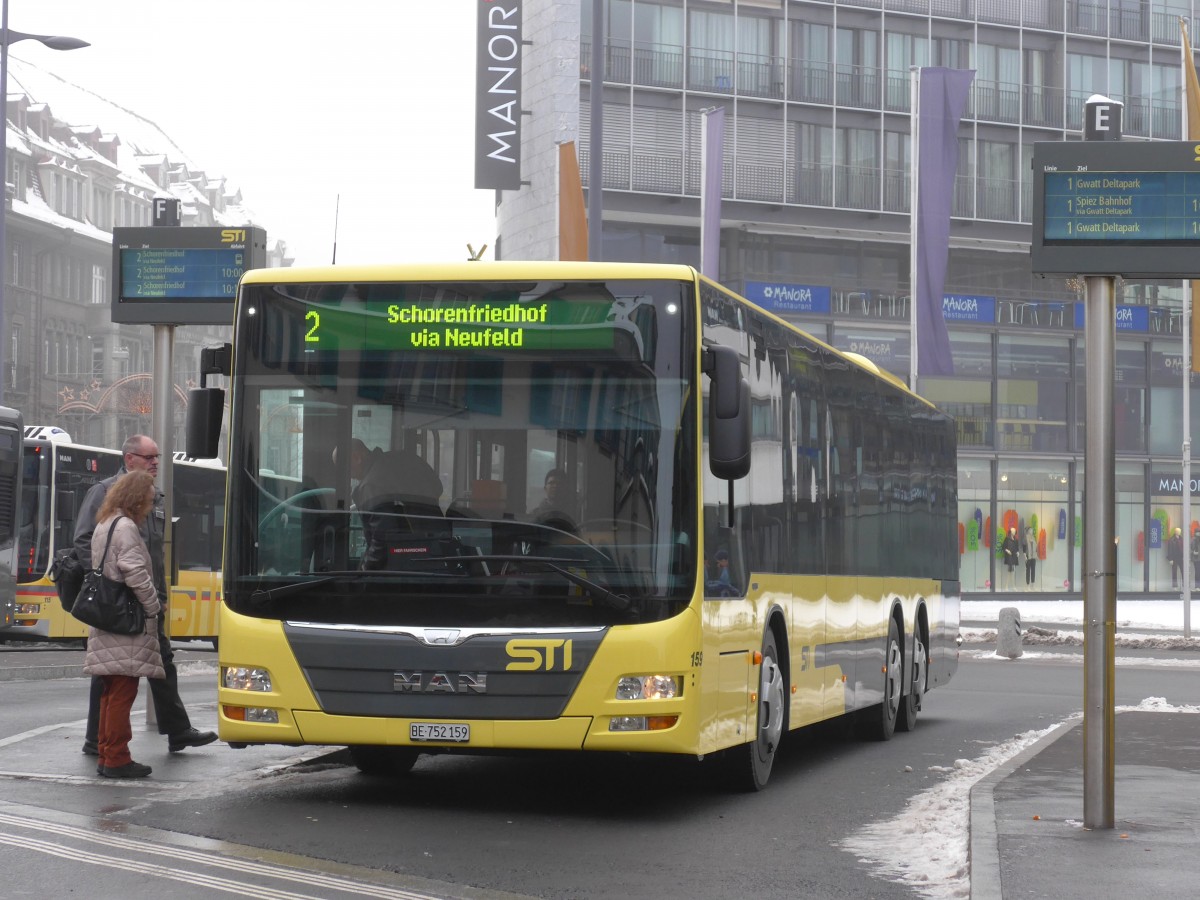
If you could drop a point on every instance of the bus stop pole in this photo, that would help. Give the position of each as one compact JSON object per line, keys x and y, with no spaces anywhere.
{"x":1102,"y":122}
{"x":161,"y":422}
{"x":1099,"y":556}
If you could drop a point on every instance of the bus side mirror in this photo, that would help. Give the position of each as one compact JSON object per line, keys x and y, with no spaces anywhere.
{"x":64,"y":506}
{"x":206,"y":406}
{"x":728,"y":414}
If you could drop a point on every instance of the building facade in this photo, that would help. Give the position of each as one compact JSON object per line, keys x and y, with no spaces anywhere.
{"x":815,"y":220}
{"x":69,"y":183}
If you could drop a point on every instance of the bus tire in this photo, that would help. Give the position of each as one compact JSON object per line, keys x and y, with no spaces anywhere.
{"x":385,"y":761}
{"x":748,"y":766}
{"x":916,"y":688}
{"x":879,"y":721}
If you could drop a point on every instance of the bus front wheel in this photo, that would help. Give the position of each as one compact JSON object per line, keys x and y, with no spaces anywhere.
{"x":749,"y":765}
{"x":386,"y":761}
{"x":879,"y":722}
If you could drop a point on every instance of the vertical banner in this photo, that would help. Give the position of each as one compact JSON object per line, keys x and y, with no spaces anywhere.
{"x":713,"y":159}
{"x":498,"y":95}
{"x":572,"y":220}
{"x":941,"y":100}
{"x":1191,"y":112}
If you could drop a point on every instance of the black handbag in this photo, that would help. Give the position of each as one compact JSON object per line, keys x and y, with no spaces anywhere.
{"x":107,"y":604}
{"x":67,"y":574}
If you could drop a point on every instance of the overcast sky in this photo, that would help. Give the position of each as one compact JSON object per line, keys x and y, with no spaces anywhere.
{"x":298,"y":102}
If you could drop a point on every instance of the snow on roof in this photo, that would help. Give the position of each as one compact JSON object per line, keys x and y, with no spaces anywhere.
{"x":147,"y":158}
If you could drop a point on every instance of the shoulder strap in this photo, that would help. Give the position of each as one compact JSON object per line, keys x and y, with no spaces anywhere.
{"x":108,"y":543}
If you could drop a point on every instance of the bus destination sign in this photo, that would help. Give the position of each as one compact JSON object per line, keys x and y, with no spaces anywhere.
{"x":181,"y":276}
{"x":1117,"y":208}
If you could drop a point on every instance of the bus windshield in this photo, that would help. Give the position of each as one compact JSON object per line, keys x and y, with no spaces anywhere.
{"x":466,"y":454}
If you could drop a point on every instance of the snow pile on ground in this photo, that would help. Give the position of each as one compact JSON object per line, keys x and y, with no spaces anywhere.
{"x":926,"y":845}
{"x":1035,"y":635}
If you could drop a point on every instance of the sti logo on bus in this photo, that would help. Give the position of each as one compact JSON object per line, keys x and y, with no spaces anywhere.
{"x":535,"y":654}
{"x":233,"y":235}
{"x":439,"y":682}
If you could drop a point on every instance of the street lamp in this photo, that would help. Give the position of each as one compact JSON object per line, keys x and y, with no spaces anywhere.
{"x":7,"y":37}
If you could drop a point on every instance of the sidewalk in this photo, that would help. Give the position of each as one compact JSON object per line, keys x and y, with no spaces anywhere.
{"x":1027,"y":834}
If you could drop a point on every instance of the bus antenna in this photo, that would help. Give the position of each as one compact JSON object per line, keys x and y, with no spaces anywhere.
{"x":336,"y":206}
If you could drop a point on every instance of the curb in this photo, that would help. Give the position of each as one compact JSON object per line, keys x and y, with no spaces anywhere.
{"x":40,"y":673}
{"x":984,"y":857}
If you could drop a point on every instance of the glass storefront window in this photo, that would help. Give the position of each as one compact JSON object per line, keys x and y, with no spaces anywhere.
{"x":1129,"y":396}
{"x":1031,"y":415}
{"x":1025,"y":356}
{"x":975,"y":524}
{"x":968,"y":395}
{"x":1139,"y":555}
{"x":1131,"y":505}
{"x":1166,"y":515}
{"x":1032,"y":508}
{"x":970,"y":402}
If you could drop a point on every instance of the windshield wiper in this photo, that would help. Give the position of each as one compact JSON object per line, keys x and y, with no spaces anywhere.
{"x":619,"y":602}
{"x":262,"y":596}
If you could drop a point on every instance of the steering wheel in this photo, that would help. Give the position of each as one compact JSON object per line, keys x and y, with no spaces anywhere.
{"x":283,"y":505}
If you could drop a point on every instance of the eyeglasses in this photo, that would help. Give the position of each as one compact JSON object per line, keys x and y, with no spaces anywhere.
{"x":149,"y":457}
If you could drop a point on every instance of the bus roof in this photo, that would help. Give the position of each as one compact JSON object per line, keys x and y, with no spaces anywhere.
{"x":47,"y":433}
{"x":469,"y":271}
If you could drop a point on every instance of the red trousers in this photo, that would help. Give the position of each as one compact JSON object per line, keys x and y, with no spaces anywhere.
{"x":115,"y":731}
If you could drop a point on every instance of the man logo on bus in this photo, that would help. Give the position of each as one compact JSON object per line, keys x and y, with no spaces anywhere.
{"x":439,"y":682}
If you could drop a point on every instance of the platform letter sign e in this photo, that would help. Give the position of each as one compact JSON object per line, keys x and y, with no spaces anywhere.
{"x":1102,"y":119}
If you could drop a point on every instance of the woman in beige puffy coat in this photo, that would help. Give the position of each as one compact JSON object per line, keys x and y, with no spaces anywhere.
{"x":122,"y":659}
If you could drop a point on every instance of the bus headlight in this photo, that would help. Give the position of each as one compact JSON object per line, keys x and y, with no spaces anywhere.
{"x":252,"y":714}
{"x":246,"y":678}
{"x":648,"y":687}
{"x":28,"y":609}
{"x":641,"y":723}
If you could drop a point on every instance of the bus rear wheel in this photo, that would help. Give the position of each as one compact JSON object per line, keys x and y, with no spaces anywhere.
{"x":386,"y":761}
{"x":916,"y":690}
{"x":749,"y":765}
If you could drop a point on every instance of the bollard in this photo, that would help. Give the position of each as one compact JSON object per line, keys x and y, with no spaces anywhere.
{"x":1008,"y":633}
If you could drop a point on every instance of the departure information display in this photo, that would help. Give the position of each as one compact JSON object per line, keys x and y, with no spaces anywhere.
{"x":1127,"y":208}
{"x":1122,"y":206}
{"x":160,"y":272}
{"x":181,"y":276}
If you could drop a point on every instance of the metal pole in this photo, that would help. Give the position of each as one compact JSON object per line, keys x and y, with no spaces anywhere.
{"x":161,"y":422}
{"x":595,"y":207}
{"x":1185,"y":583}
{"x":914,"y":154}
{"x":1099,"y":554}
{"x":5,"y":334}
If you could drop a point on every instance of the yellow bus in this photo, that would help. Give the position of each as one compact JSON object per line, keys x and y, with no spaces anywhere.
{"x":56,"y":475}
{"x":10,"y":510}
{"x":750,"y":532}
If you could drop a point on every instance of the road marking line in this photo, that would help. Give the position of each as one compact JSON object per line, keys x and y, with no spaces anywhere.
{"x":225,"y":863}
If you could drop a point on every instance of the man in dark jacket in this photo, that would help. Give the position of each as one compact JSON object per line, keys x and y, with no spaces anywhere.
{"x":141,"y":452}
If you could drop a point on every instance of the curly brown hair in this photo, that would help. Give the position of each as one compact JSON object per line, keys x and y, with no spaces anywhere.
{"x":128,"y":496}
